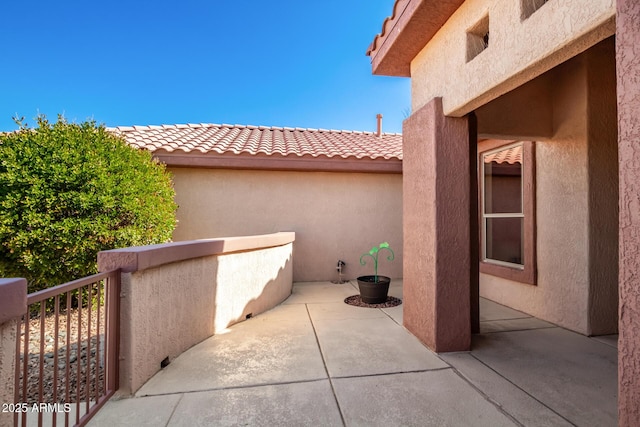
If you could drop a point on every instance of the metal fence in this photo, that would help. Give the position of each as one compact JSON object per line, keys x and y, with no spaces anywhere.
{"x":67,"y":351}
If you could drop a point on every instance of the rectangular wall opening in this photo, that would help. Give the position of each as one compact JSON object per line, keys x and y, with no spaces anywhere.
{"x":478,"y":38}
{"x":528,"y":7}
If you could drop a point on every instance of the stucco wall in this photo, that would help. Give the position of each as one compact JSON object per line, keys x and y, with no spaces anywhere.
{"x":335,"y":215}
{"x":628,"y":70}
{"x":518,"y":50}
{"x":576,"y":203}
{"x":194,"y":290}
{"x":603,"y":189}
{"x":8,"y":331}
{"x":523,"y":113}
{"x":13,"y":305}
{"x":165,"y":311}
{"x":437,"y":229}
{"x":257,"y":281}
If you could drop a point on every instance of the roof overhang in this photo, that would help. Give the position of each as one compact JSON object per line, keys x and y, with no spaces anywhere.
{"x":278,"y":163}
{"x":404,"y":34}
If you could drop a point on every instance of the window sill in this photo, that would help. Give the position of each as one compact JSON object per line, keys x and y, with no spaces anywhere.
{"x":526,"y":275}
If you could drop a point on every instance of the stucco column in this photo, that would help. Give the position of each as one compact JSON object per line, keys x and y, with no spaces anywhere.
{"x":628,"y":92}
{"x":436,"y":228}
{"x":13,"y":305}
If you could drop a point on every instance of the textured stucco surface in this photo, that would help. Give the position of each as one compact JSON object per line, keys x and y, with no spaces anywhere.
{"x":437,"y":229}
{"x":13,"y":304}
{"x":521,"y":114}
{"x":8,"y":331}
{"x":250,"y":283}
{"x":603,"y":189}
{"x":335,"y":215}
{"x":166,"y":310}
{"x":576,"y":203}
{"x":518,"y":50}
{"x":628,"y":72}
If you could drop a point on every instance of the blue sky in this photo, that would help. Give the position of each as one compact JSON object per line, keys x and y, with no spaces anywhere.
{"x":274,"y":63}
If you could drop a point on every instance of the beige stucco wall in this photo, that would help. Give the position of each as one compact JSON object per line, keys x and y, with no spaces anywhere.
{"x":576,"y":200}
{"x":164,"y":311}
{"x":13,"y":305}
{"x":254,"y":282}
{"x":8,"y":331}
{"x":168,"y":308}
{"x":335,"y":215}
{"x":518,"y":50}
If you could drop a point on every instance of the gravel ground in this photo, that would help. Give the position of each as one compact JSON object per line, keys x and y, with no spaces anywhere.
{"x":83,"y":358}
{"x":357,"y":301}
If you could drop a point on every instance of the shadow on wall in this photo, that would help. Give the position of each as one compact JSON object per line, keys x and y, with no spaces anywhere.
{"x":222,"y":291}
{"x":178,"y":294}
{"x":242,"y":292}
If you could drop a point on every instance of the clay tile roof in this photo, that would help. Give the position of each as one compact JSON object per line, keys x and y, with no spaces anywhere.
{"x":511,"y":156}
{"x":253,"y":140}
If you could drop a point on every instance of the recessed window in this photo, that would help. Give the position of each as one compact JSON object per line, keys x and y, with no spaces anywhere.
{"x":503,"y":214}
{"x":478,"y":38}
{"x":506,"y":211}
{"x":528,"y":7}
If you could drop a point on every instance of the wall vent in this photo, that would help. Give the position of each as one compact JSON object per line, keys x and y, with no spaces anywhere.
{"x":528,"y":7}
{"x":478,"y":38}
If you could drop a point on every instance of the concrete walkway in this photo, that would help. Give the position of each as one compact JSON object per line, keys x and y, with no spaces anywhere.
{"x":315,"y":361}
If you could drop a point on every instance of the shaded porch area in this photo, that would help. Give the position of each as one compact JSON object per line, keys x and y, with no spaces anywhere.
{"x":314,"y":360}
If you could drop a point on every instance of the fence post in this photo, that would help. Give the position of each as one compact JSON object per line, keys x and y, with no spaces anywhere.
{"x":13,"y":305}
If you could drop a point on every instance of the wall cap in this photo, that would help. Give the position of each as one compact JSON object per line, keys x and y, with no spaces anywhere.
{"x":138,"y":258}
{"x":13,"y":298}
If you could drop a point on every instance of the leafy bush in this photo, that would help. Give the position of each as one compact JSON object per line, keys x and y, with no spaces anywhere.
{"x":68,"y":191}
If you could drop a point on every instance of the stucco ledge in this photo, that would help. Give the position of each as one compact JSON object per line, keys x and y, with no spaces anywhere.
{"x":138,"y":258}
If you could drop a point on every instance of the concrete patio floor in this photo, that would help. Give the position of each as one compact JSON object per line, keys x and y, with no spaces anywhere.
{"x":314,"y":360}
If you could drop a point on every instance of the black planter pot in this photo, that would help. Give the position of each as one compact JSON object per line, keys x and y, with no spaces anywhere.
{"x":373,"y":292}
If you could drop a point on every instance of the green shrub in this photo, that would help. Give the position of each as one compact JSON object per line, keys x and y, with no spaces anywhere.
{"x":68,"y":191}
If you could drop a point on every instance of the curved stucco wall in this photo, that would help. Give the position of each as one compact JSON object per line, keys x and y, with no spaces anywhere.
{"x":518,"y":50}
{"x":266,"y":277}
{"x":175,"y":295}
{"x":334,"y":215}
{"x":576,"y":203}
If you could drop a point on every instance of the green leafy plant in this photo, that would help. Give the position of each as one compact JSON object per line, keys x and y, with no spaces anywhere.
{"x":68,"y":191}
{"x":373,"y":253}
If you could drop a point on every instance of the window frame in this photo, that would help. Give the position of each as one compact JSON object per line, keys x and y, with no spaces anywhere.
{"x":526,"y":273}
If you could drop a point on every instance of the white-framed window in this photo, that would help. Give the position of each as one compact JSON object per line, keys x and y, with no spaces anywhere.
{"x":507,"y":223}
{"x":503,"y":208}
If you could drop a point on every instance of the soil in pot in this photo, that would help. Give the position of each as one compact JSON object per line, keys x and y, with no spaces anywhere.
{"x":373,"y":292}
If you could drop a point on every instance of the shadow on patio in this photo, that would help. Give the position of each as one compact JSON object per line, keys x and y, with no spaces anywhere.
{"x":314,"y":360}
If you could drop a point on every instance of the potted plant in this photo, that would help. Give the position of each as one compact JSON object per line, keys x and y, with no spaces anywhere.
{"x":374,"y":289}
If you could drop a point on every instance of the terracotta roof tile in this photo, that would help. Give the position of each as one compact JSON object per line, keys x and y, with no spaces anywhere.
{"x":238,"y":139}
{"x":511,"y":156}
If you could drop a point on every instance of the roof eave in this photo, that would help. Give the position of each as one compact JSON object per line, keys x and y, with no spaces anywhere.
{"x":280,"y":163}
{"x":409,"y":29}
